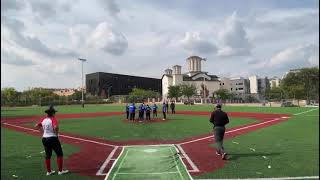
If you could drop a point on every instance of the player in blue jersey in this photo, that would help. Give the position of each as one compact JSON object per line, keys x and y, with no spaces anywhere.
{"x":132,"y":111}
{"x":164,"y":110}
{"x":154,"y":110}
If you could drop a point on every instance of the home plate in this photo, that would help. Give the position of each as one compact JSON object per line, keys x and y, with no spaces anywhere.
{"x":150,"y":150}
{"x":285,"y":117}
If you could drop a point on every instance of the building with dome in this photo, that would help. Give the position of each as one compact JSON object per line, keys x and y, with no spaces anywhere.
{"x":202,"y":80}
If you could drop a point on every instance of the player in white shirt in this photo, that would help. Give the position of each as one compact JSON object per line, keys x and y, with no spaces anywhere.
{"x":49,"y":127}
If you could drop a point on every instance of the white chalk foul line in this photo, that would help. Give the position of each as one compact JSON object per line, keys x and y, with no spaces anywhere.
{"x":175,"y":162}
{"x":271,"y":178}
{"x":178,"y":151}
{"x":306,"y":111}
{"x":115,"y":174}
{"x":106,"y":162}
{"x":176,"y":172}
{"x":61,"y":135}
{"x":194,"y":167}
{"x":230,"y":131}
{"x":114,"y":163}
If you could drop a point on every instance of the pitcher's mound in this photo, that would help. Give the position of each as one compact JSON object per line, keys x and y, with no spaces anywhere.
{"x":153,"y":120}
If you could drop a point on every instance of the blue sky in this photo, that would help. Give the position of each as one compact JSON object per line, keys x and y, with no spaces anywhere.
{"x":41,"y":40}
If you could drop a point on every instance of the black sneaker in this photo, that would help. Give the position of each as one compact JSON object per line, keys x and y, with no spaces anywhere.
{"x":224,"y":156}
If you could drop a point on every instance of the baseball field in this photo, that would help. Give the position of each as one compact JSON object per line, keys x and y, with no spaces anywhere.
{"x":99,"y":143}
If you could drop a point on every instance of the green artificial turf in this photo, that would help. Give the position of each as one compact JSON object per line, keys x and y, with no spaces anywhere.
{"x":69,"y":109}
{"x":114,"y":128}
{"x":291,"y":148}
{"x":21,"y":157}
{"x":159,"y":162}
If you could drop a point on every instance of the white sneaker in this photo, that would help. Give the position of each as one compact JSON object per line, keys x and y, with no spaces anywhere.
{"x":49,"y":173}
{"x":163,"y":119}
{"x":63,"y":172}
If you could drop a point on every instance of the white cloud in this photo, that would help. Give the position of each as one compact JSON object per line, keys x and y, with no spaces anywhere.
{"x":294,"y":57}
{"x":78,"y":34}
{"x":48,"y":9}
{"x":193,"y":43}
{"x":11,"y":5}
{"x":233,"y":40}
{"x":110,"y":6}
{"x":11,"y":58}
{"x":314,"y":59}
{"x":104,"y":37}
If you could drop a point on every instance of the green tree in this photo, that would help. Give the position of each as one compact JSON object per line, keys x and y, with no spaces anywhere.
{"x":297,"y":92}
{"x":140,"y":94}
{"x":38,"y":95}
{"x":77,"y":95}
{"x":303,"y":84}
{"x":174,"y":92}
{"x":274,"y":94}
{"x":222,"y":94}
{"x":8,"y":96}
{"x":251,"y":99}
{"x":205,"y":90}
{"x":310,"y":81}
{"x":188,"y":90}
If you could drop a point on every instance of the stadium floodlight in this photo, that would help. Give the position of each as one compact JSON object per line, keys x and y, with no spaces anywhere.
{"x":82,"y":60}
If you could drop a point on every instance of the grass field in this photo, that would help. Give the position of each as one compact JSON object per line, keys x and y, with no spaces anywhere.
{"x":290,"y":148}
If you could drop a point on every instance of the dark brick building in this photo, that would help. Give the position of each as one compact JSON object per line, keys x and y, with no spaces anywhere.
{"x":108,"y":84}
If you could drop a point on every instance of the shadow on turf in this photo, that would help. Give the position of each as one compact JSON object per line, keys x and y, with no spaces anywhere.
{"x":235,"y":156}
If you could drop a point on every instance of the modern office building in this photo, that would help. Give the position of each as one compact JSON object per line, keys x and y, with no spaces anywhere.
{"x":108,"y":84}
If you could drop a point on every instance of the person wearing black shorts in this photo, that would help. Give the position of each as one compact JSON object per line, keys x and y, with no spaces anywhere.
{"x":50,"y":140}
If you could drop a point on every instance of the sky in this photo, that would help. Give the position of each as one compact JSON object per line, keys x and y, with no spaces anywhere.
{"x":42,"y":40}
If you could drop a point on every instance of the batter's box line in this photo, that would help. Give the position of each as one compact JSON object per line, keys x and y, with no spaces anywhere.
{"x":185,"y":156}
{"x":106,"y":162}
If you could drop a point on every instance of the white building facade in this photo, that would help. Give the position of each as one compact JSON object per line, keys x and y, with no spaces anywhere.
{"x":274,"y":82}
{"x":194,"y":76}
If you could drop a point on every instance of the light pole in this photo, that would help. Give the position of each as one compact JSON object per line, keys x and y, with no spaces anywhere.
{"x":204,"y":89}
{"x":204,"y":84}
{"x":82,"y":60}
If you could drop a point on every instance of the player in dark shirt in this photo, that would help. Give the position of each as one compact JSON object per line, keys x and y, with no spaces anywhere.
{"x":173,"y":106}
{"x":148,"y":110}
{"x":219,"y":119}
{"x":127,"y":111}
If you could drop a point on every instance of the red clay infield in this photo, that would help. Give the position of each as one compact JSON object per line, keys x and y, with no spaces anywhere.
{"x":93,"y":151}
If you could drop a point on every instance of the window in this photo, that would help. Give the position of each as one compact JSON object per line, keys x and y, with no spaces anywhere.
{"x":222,"y":83}
{"x":240,"y":88}
{"x":240,"y":84}
{"x":231,"y":89}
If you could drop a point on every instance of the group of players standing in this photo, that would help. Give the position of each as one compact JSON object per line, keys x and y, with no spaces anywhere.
{"x":146,"y":109}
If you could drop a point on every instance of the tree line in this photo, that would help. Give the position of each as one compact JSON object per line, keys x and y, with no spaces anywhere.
{"x":302,"y":84}
{"x":39,"y":96}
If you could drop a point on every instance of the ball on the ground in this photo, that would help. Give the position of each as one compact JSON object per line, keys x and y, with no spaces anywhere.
{"x":269,"y":166}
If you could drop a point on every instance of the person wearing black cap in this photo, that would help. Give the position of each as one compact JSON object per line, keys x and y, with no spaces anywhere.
{"x":49,"y":127}
{"x":219,"y":119}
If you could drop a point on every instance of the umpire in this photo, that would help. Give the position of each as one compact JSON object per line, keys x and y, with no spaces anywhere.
{"x":219,"y":119}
